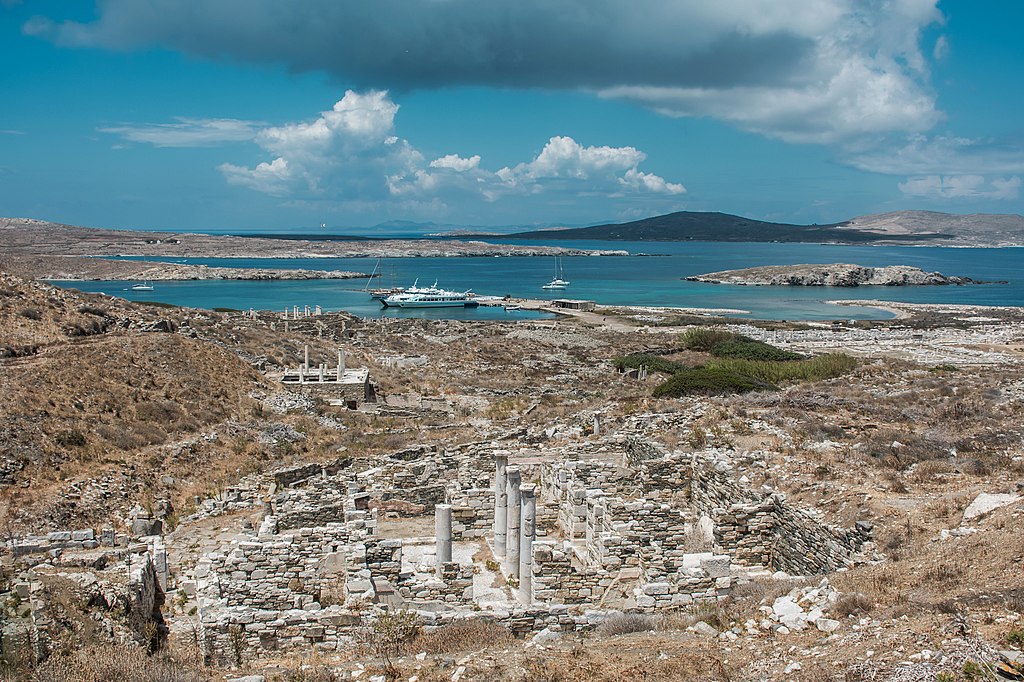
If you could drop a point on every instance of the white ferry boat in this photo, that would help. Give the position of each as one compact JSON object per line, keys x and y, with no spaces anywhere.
{"x":430,"y":297}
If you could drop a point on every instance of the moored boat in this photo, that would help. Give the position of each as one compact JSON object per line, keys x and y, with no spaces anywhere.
{"x":559,"y":281}
{"x":429,"y":297}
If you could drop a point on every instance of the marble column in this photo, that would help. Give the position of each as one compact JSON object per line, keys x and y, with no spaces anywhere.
{"x":528,"y":533}
{"x":443,"y":534}
{"x":512,"y":516}
{"x":500,"y":502}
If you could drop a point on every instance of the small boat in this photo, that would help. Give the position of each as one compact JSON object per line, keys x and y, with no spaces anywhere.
{"x":559,"y":281}
{"x":512,"y":307}
{"x":142,"y":286}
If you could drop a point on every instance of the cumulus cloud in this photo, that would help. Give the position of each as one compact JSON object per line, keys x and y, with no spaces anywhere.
{"x":352,"y":154}
{"x":807,"y":72}
{"x":188,"y":132}
{"x":346,"y":151}
{"x":961,"y":187}
{"x":456,"y":163}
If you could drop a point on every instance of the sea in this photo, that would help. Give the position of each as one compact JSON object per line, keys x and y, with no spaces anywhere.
{"x":652,"y":275}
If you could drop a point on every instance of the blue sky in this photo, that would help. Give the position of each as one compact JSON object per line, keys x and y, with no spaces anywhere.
{"x":259,"y":114}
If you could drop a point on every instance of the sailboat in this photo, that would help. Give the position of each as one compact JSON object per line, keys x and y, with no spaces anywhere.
{"x":142,"y":286}
{"x":559,"y":281}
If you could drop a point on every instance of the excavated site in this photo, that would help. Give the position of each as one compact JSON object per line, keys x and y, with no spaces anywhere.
{"x":437,"y":500}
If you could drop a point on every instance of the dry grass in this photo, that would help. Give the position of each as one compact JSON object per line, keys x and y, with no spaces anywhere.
{"x":630,"y":659}
{"x":108,"y":663}
{"x":470,"y":634}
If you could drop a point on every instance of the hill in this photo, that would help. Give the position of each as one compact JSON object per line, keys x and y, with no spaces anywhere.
{"x":900,"y":226}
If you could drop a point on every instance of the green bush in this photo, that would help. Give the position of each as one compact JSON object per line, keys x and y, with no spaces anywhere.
{"x":749,"y":349}
{"x":655,"y":363}
{"x":704,"y":339}
{"x":709,"y":381}
{"x":826,"y":366}
{"x":725,"y":344}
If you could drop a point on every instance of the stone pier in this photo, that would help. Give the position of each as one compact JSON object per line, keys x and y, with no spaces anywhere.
{"x":528,"y":533}
{"x":443,"y":534}
{"x":500,"y":502}
{"x":513,"y":517}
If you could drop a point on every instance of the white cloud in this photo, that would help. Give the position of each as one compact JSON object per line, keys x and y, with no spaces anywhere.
{"x":941,"y":49}
{"x":942,"y":155}
{"x":347,"y":151}
{"x":826,"y":71}
{"x":188,"y":132}
{"x":636,"y":179}
{"x":961,"y":187}
{"x":456,"y":163}
{"x":352,"y":154}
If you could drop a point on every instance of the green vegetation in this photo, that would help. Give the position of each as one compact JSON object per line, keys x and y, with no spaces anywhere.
{"x":704,"y":339}
{"x":748,"y":349}
{"x":655,"y":363}
{"x":709,"y":381}
{"x":724,"y":344}
{"x":1015,"y":638}
{"x":826,"y":366}
{"x":741,"y":364}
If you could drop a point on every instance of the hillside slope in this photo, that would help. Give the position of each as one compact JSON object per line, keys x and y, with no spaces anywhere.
{"x":897,"y":227}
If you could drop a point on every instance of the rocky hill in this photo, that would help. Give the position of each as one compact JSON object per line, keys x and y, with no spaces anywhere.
{"x":831,"y":275}
{"x":898,"y":227}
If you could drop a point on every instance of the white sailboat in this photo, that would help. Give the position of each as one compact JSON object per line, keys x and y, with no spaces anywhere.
{"x":559,"y":281}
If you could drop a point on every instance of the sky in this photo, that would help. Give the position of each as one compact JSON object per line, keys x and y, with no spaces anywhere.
{"x":248,"y":115}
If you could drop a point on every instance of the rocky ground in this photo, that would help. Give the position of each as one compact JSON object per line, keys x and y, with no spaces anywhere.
{"x":37,"y":237}
{"x":66,"y":268}
{"x":110,"y":407}
{"x":831,"y":275}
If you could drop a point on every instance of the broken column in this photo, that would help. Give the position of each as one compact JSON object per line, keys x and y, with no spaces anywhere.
{"x":500,"y":501}
{"x":597,"y":425}
{"x":513,"y":513}
{"x":341,"y":362}
{"x":528,"y":533}
{"x":443,"y":534}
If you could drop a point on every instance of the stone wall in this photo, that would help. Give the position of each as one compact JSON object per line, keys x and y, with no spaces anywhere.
{"x":756,"y":528}
{"x":472,"y":513}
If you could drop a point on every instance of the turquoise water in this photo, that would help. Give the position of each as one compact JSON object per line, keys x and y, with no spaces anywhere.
{"x":617,"y":280}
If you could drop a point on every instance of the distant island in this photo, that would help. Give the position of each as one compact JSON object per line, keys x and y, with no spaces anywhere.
{"x":913,"y":227}
{"x":830,"y":275}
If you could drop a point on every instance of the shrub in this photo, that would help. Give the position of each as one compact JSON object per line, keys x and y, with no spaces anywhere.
{"x":709,"y":381}
{"x":1015,"y":638}
{"x":704,"y":339}
{"x":750,"y":349}
{"x":851,"y":603}
{"x":826,"y":366}
{"x":625,"y":623}
{"x":32,"y":314}
{"x":390,"y":632}
{"x":462,"y":635}
{"x":70,"y":439}
{"x":92,"y":310}
{"x":654,"y":363}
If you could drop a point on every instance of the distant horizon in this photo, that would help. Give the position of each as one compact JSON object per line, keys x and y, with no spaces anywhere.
{"x":389,"y":229}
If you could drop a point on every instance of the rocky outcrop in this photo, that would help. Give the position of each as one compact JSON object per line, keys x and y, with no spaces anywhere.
{"x":830,"y":275}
